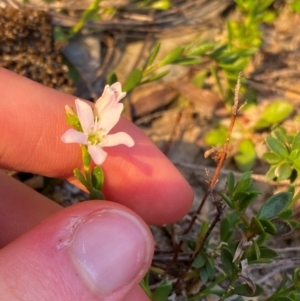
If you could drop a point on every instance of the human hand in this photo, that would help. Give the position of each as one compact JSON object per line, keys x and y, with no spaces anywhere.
{"x":93,"y":250}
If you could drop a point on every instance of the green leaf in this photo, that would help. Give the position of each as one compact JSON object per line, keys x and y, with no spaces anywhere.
{"x":296,"y":142}
{"x":172,"y":56}
{"x":246,"y":155}
{"x":162,"y":292}
{"x":96,"y":194}
{"x":274,"y":205}
{"x":277,"y":147}
{"x":281,"y":134}
{"x":80,"y":177}
{"x":199,"y":261}
{"x":282,"y":226}
{"x":274,"y":113}
{"x":157,"y":76}
{"x":293,"y":223}
{"x":230,"y":183}
{"x":200,"y":49}
{"x":245,"y":290}
{"x":112,"y":78}
{"x":271,"y":158}
{"x":225,"y":230}
{"x":226,"y":198}
{"x":203,"y":275}
{"x":188,"y":61}
{"x":210,"y":268}
{"x":270,"y":175}
{"x":153,"y":54}
{"x":216,"y":137}
{"x":243,"y":185}
{"x":283,"y":171}
{"x":98,"y":178}
{"x":266,"y":252}
{"x":133,"y":80}
{"x":257,"y":250}
{"x":247,"y":200}
{"x":268,"y":226}
{"x":256,"y":227}
{"x":226,"y":258}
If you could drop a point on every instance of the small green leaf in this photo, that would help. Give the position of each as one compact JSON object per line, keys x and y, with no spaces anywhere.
{"x":281,"y":299}
{"x":242,"y":186}
{"x":199,"y":261}
{"x":80,"y":177}
{"x":283,"y":171}
{"x":98,"y":178}
{"x":203,"y":275}
{"x":112,"y":78}
{"x":188,"y":61}
{"x":216,"y":137}
{"x":157,"y":76}
{"x":247,"y":200}
{"x":266,"y":252}
{"x":153,"y":54}
{"x":256,"y":227}
{"x":268,"y":226}
{"x":275,"y":112}
{"x":257,"y":250}
{"x":296,"y":142}
{"x":274,"y":205}
{"x":210,"y":268}
{"x":282,"y":226}
{"x":281,"y":134}
{"x":270,"y":175}
{"x":271,"y":158}
{"x":133,"y":80}
{"x":246,"y":155}
{"x":277,"y":147}
{"x":230,"y":183}
{"x":162,"y":292}
{"x":227,"y":257}
{"x":225,"y":230}
{"x":245,"y":290}
{"x":86,"y":158}
{"x":96,"y":194}
{"x":286,"y":214}
{"x":293,"y":223}
{"x":200,"y":49}
{"x":172,"y":56}
{"x":226,"y":199}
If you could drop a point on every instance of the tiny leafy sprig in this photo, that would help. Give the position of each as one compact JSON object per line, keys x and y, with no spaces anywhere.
{"x":91,"y":126}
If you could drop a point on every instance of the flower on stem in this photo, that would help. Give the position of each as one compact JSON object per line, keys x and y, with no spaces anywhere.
{"x":97,"y":123}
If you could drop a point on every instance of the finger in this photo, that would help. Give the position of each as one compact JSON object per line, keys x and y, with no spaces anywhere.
{"x":32,"y":122}
{"x":21,"y":208}
{"x":89,"y":251}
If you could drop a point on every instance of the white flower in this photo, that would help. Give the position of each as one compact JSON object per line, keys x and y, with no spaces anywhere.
{"x":96,"y":124}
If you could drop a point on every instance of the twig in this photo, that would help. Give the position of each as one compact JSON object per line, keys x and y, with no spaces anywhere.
{"x":212,"y":182}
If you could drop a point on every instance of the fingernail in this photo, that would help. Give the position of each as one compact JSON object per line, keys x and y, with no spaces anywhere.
{"x":110,"y":249}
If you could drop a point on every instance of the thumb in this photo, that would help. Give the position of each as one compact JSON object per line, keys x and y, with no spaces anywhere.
{"x":89,"y":251}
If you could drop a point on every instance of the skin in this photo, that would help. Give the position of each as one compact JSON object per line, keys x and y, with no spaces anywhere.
{"x":138,"y":180}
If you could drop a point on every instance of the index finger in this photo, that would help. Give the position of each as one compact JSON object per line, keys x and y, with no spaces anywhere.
{"x":32,"y":122}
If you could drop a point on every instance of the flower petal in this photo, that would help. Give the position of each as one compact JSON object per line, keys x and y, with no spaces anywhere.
{"x":110,"y":116}
{"x":116,"y":87}
{"x":97,"y":153}
{"x":118,"y":138}
{"x":85,"y":115}
{"x":73,"y":136}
